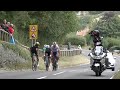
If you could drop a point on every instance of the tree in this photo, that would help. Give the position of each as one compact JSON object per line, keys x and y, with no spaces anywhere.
{"x":53,"y":25}
{"x":109,"y":25}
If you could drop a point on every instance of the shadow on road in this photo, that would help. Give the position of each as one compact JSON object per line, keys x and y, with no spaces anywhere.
{"x":93,"y":75}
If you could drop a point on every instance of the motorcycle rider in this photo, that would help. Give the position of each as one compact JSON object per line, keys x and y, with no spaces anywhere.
{"x":96,"y":37}
{"x":95,"y":34}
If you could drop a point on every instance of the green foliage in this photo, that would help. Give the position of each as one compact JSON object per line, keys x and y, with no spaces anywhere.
{"x":85,"y":21}
{"x":88,"y":40}
{"x":95,"y":12}
{"x":109,"y":25}
{"x":53,"y":25}
{"x":2,"y":16}
{"x":110,"y":42}
{"x":76,"y":40}
{"x":72,"y":34}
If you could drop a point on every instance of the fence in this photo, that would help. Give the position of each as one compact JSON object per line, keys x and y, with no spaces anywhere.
{"x":65,"y":52}
{"x":4,"y":36}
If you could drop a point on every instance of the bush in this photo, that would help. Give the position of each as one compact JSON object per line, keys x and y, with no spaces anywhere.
{"x":110,"y":42}
{"x":75,"y":40}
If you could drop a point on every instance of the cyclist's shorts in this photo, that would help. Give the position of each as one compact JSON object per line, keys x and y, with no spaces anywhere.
{"x":55,"y":54}
{"x":33,"y":54}
{"x":48,"y":53}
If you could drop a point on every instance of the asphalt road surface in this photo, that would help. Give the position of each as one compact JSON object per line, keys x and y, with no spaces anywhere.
{"x":77,"y":72}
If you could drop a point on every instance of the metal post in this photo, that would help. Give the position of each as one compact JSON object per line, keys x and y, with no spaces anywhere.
{"x":35,"y":40}
{"x":32,"y":42}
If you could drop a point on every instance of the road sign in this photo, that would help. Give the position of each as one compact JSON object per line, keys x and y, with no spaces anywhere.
{"x":33,"y":31}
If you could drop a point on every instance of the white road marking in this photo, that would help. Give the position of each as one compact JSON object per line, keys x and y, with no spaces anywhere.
{"x":112,"y":77}
{"x":42,"y":77}
{"x":59,"y":73}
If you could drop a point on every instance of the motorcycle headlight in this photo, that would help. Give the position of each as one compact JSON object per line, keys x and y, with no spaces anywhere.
{"x":97,"y":57}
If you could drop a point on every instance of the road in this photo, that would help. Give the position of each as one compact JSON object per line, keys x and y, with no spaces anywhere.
{"x":76,"y":72}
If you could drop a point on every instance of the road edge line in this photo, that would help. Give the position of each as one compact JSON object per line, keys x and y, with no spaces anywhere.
{"x":59,"y":73}
{"x":114,"y":74}
{"x":42,"y":77}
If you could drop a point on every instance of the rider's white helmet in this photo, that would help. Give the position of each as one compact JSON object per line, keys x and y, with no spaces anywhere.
{"x":37,"y":43}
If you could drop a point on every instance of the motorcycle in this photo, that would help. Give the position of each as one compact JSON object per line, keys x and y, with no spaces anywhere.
{"x":97,"y":57}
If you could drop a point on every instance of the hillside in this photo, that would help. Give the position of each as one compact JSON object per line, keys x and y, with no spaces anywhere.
{"x":14,"y":57}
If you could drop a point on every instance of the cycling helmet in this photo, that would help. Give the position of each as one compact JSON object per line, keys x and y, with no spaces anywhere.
{"x":47,"y":46}
{"x":54,"y":43}
{"x":37,"y":43}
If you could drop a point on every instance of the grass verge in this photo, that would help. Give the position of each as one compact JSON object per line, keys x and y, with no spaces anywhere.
{"x":117,"y":75}
{"x":67,"y":61}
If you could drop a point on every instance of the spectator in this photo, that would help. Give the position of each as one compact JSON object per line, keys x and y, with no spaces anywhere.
{"x":79,"y":47}
{"x":8,"y":24}
{"x":4,"y":21}
{"x":11,"y":29}
{"x":69,"y":45}
{"x":4,"y":25}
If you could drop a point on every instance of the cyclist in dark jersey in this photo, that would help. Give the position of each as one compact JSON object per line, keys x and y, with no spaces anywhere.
{"x":34,"y":50}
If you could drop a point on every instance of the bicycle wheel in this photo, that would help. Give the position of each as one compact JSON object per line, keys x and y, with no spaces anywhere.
{"x":47,"y":63}
{"x":34,"y":67}
{"x":54,"y":64}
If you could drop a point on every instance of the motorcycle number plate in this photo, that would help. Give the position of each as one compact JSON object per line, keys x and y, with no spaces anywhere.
{"x":97,"y":64}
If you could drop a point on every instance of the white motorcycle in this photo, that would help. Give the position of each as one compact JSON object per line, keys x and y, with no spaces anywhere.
{"x":97,"y":60}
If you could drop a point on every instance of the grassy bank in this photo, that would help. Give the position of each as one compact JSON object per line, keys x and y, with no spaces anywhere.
{"x":14,"y":57}
{"x":117,"y":75}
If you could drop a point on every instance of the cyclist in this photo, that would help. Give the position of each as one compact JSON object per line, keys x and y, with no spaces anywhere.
{"x":44,"y":48}
{"x":34,"y":50}
{"x":55,"y":51}
{"x":47,"y":52}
